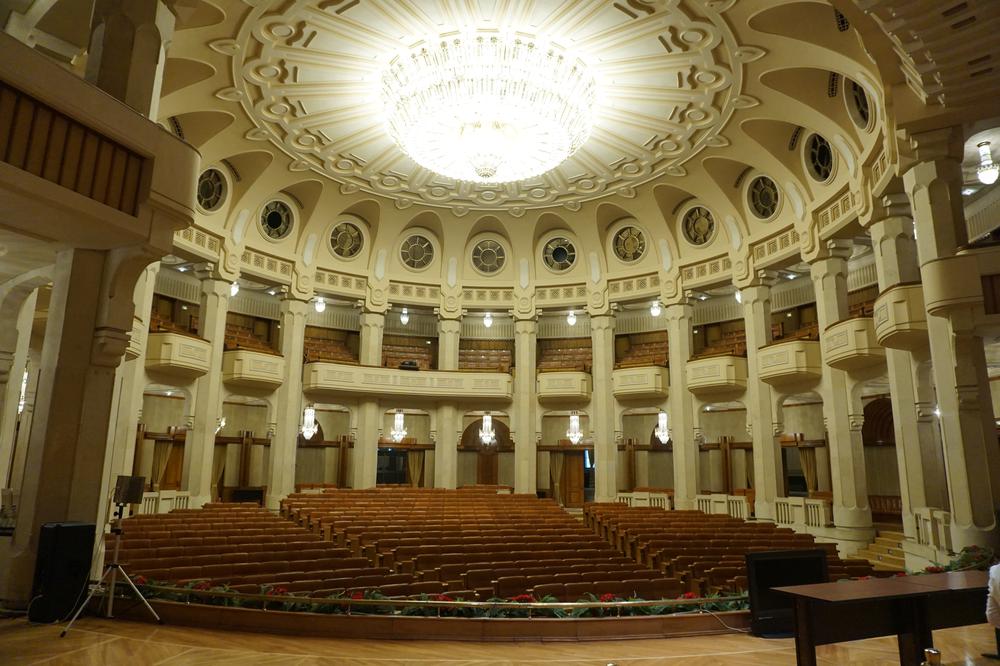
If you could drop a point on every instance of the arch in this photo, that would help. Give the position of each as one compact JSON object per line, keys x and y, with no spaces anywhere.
{"x":470,"y":437}
{"x":198,"y":14}
{"x":199,"y":127}
{"x":180,"y":73}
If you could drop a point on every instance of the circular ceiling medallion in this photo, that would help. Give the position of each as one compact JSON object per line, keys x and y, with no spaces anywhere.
{"x":819,"y":158}
{"x":488,"y":256}
{"x":211,"y":190}
{"x":699,"y":225}
{"x":308,"y":74}
{"x":276,"y":220}
{"x":559,"y":254}
{"x":762,"y":195}
{"x":630,"y":244}
{"x":416,"y":252}
{"x":346,"y":240}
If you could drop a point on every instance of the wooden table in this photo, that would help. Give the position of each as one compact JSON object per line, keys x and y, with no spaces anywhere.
{"x":910,"y":607}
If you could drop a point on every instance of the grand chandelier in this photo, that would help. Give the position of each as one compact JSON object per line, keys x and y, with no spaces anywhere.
{"x":488,"y":106}
{"x":487,"y":435}
{"x":398,"y":431}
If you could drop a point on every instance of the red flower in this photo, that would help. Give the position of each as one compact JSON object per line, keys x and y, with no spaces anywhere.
{"x":277,"y":592}
{"x":607,"y":597}
{"x":933,"y":569}
{"x":140,"y":580}
{"x":203,"y":585}
{"x":357,"y":595}
{"x":523,"y":599}
{"x":443,"y":597}
{"x":688,"y":595}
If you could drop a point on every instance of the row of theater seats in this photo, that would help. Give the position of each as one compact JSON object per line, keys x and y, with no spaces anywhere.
{"x":706,"y":552}
{"x":160,"y":324}
{"x":565,"y":354}
{"x":325,"y":349}
{"x":397,"y":350}
{"x":243,"y":337}
{"x":476,"y":543}
{"x":645,"y":349}
{"x":486,"y":355}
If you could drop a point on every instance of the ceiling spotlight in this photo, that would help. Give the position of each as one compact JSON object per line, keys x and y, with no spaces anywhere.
{"x":791,"y":276}
{"x":703,"y":297}
{"x":320,"y":304}
{"x":739,"y":296}
{"x":234,"y":288}
{"x":182,"y":269}
{"x":487,"y":320}
{"x":273,"y":292}
{"x":571,"y":318}
{"x":966,"y":192}
{"x":655,"y":309}
{"x":988,"y":170}
{"x":404,"y":317}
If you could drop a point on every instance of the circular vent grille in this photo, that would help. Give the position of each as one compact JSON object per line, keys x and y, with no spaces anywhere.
{"x":488,"y":256}
{"x":858,"y":103}
{"x":559,"y":254}
{"x":416,"y":252}
{"x":763,"y":197}
{"x":699,"y":225}
{"x":276,"y":220}
{"x":211,"y":190}
{"x":819,"y":157}
{"x":630,"y":244}
{"x":346,"y":240}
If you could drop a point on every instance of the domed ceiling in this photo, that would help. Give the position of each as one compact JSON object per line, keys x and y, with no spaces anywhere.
{"x":669,"y":77}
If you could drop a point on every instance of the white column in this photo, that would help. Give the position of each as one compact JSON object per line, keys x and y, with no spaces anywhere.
{"x":681,"y":405}
{"x":524,"y":406}
{"x":85,"y":338}
{"x":767,"y":470}
{"x":602,"y":403}
{"x":972,"y":460}
{"x":288,"y":402}
{"x":11,"y":391}
{"x":448,"y":340}
{"x":199,"y":448}
{"x":446,"y":447}
{"x":24,"y":422}
{"x":843,"y":416}
{"x":364,"y":455}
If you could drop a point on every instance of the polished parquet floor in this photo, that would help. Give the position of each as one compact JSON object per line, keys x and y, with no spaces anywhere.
{"x":109,"y":642}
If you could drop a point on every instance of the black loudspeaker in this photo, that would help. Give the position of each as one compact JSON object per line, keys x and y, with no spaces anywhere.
{"x":129,"y":489}
{"x":62,"y":569}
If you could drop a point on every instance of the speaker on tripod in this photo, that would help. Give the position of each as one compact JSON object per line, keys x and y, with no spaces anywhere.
{"x":62,"y":569}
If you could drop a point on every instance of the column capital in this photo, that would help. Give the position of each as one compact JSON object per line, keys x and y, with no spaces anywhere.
{"x":449,"y":325}
{"x":678,"y":311}
{"x":602,"y":322}
{"x":526,"y":326}
{"x":294,"y":306}
{"x":945,"y":143}
{"x":209,"y":271}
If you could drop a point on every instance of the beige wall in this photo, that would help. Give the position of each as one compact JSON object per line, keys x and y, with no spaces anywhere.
{"x":159,"y":412}
{"x":240,"y":416}
{"x":725,"y":423}
{"x":418,"y":426}
{"x":807,"y":419}
{"x":335,"y":423}
{"x":638,"y":427}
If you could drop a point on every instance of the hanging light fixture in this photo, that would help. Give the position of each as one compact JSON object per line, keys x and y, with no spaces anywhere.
{"x":320,"y":304}
{"x":571,"y":318}
{"x":404,"y":317}
{"x":988,"y":169}
{"x":487,"y":320}
{"x":309,"y":426}
{"x":221,"y":424}
{"x":661,"y":431}
{"x":234,"y":288}
{"x":574,"y":434}
{"x":487,"y":435}
{"x":488,"y":107}
{"x":398,"y":431}
{"x":655,"y":309}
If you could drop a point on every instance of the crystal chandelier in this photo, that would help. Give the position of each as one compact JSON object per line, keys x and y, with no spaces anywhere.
{"x":398,"y":431}
{"x":487,"y":435}
{"x":309,"y":427}
{"x":988,"y":169}
{"x":574,"y":434}
{"x":488,"y":106}
{"x":662,"y":432}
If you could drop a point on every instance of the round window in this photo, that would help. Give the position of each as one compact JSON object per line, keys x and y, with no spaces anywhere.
{"x":559,"y":254}
{"x":699,"y":225}
{"x":762,"y":195}
{"x":346,"y":240}
{"x":276,"y":220}
{"x":211,"y":190}
{"x":416,"y":252}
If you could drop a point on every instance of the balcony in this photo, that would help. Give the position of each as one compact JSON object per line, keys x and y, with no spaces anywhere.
{"x":900,"y":317}
{"x":344,"y":378}
{"x":252,"y":369}
{"x":177,"y":354}
{"x":560,"y":385}
{"x":640,"y":382}
{"x":790,"y":362}
{"x":851,"y":345}
{"x":716,"y":374}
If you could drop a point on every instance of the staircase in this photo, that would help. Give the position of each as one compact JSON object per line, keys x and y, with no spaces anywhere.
{"x":886,"y":552}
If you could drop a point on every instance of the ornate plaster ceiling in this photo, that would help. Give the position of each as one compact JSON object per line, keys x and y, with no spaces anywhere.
{"x":307,"y":73}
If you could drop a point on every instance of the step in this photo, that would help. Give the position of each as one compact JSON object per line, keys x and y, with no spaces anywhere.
{"x":889,"y":543}
{"x":892,"y":534}
{"x":885,"y":562}
{"x":893,"y":550}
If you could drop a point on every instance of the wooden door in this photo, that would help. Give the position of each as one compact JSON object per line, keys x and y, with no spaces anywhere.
{"x":571,"y":482}
{"x":486,"y":470}
{"x":171,"y":479}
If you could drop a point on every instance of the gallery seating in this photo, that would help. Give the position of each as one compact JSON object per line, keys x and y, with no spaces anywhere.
{"x":573,"y":354}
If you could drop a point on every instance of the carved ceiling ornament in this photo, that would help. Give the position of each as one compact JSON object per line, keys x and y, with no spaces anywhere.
{"x":308,"y":77}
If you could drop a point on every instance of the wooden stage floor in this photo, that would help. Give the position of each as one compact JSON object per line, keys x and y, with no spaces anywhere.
{"x":110,"y":642}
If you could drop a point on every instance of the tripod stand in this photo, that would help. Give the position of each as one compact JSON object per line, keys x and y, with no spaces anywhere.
{"x":111,"y":572}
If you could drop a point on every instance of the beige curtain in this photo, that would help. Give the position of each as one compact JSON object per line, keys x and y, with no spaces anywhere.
{"x":218,"y":466}
{"x":749,"y":469}
{"x":807,"y":458}
{"x":556,"y":470}
{"x":415,"y":463}
{"x":161,"y":454}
